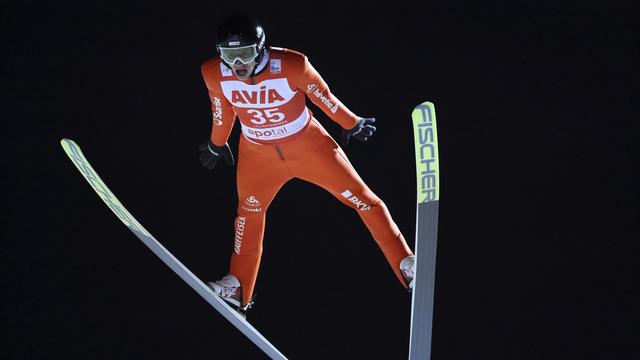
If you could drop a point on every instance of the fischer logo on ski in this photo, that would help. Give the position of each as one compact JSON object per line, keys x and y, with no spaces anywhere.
{"x":426,"y":141}
{"x":427,"y":205}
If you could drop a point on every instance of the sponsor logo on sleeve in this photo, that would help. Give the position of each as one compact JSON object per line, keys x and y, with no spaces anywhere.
{"x":217,"y":111}
{"x":360,"y":205}
{"x":314,"y":89}
{"x":275,"y":66}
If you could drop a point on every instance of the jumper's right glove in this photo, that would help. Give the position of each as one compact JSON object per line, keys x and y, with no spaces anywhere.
{"x":210,"y":153}
{"x":362,"y":131}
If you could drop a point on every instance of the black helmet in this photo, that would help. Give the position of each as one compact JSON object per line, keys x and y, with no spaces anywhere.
{"x":240,"y":37}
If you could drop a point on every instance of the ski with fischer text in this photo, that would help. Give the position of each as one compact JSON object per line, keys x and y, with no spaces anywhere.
{"x":428,"y":197}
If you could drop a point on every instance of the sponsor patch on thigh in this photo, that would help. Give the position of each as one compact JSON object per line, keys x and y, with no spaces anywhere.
{"x":359,"y":204}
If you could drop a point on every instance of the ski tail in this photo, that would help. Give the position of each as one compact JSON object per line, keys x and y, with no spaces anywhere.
{"x":427,"y":204}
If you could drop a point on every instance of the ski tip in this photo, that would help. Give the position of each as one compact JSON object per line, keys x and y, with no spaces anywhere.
{"x":428,"y":103}
{"x":425,"y":104}
{"x":64,"y":141}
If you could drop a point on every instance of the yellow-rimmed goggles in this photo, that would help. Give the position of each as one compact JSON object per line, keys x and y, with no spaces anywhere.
{"x":244,"y":54}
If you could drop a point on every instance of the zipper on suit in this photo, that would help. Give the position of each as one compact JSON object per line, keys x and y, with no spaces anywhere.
{"x":280,"y":152}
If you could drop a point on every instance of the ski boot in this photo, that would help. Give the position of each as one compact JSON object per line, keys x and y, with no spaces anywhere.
{"x":229,"y":289}
{"x":408,"y":269}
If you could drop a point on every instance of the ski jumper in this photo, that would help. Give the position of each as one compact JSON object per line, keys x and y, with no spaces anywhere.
{"x":281,"y":140}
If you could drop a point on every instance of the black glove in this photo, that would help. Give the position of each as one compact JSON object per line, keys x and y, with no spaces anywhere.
{"x":362,"y":131}
{"x":209,"y":154}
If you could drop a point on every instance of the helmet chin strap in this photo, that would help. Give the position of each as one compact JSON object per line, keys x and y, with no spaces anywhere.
{"x":264,"y":59}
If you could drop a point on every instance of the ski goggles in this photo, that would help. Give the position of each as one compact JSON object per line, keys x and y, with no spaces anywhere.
{"x":244,"y":54}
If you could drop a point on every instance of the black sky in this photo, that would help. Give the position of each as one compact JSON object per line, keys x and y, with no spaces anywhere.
{"x":537,"y":106}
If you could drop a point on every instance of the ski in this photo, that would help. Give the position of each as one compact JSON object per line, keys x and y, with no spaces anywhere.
{"x":428,"y":196}
{"x":75,"y":154}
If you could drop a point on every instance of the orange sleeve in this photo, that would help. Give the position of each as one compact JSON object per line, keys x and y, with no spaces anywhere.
{"x":223,"y":115}
{"x":318,"y":92}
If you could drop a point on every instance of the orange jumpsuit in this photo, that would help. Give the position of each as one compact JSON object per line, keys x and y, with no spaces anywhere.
{"x":281,"y":140}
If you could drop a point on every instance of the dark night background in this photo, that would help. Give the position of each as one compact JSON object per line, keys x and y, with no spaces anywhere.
{"x":537,"y":106}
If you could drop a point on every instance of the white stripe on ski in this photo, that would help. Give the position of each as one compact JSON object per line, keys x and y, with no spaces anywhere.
{"x":75,"y":154}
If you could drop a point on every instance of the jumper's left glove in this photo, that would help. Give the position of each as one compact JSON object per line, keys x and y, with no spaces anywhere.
{"x":362,"y":131}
